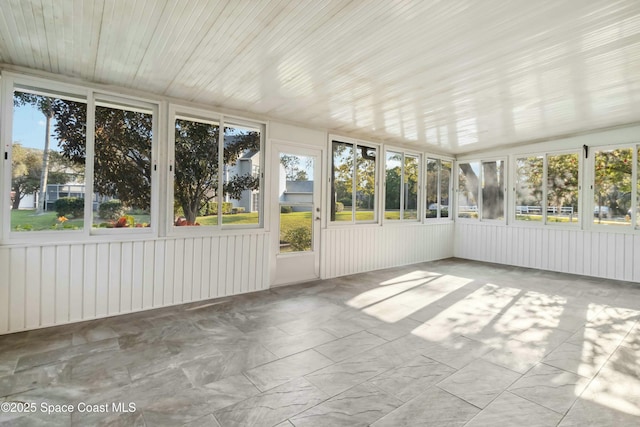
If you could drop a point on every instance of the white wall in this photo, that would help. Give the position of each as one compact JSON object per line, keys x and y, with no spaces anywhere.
{"x":592,"y":253}
{"x":350,"y":250}
{"x":46,"y":285}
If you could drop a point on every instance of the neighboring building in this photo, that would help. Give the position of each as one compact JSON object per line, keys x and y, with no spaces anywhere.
{"x":248,"y":163}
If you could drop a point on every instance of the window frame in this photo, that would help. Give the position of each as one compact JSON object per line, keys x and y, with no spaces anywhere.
{"x":589,"y":192}
{"x":482,"y":161}
{"x":545,"y":189}
{"x":420,"y":197}
{"x":207,"y":116}
{"x":440,"y":159}
{"x":14,"y":81}
{"x":377,"y":193}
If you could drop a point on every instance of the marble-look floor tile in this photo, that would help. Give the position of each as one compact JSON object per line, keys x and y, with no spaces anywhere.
{"x":349,"y":346}
{"x":283,"y":370}
{"x":96,"y":419}
{"x":584,"y":360}
{"x":479,"y":382}
{"x":585,"y":412}
{"x":358,"y":406}
{"x":232,"y":360}
{"x":410,"y":379}
{"x":550,"y":387}
{"x":290,"y":344}
{"x":509,"y":410}
{"x":206,"y":421}
{"x":457,"y":352}
{"x":63,"y":354}
{"x":273,"y":406}
{"x":433,"y":408}
{"x":392,"y":331}
{"x":336,"y":378}
{"x":229,"y":390}
{"x":516,"y":355}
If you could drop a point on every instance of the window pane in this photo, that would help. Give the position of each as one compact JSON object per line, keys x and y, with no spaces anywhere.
{"x":612,"y":187}
{"x":492,"y":190}
{"x":47,"y":163}
{"x":411,"y":168}
{"x":433,"y":182}
{"x":365,"y":183}
{"x":562,"y":188}
{"x":122,"y":167}
{"x":468,"y":189}
{"x":241,"y":176}
{"x":445,"y":183}
{"x":393,"y":185}
{"x":529,"y":188}
{"x":342,"y":194}
{"x":195,"y":181}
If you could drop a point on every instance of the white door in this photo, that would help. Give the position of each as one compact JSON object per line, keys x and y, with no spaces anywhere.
{"x":297,"y":217}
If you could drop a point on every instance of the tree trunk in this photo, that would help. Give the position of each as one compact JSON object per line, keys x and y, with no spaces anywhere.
{"x":191,"y":211}
{"x":15,"y":201}
{"x":44,"y":175}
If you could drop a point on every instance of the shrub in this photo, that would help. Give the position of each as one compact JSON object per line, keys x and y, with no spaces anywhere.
{"x":339,"y":206}
{"x":286,"y":209}
{"x":69,"y":206}
{"x":111,"y":210}
{"x":237,"y":210}
{"x":211,"y":208}
{"x":299,"y":238}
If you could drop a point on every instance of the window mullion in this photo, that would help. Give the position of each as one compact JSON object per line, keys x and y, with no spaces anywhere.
{"x":221,"y":171}
{"x":354,"y":178}
{"x":89,"y":162}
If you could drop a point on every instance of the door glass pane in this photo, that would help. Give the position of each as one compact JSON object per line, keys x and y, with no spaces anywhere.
{"x":411,"y":168}
{"x":529,"y":188}
{"x":562,"y":188}
{"x":241,"y":176}
{"x":295,"y":197}
{"x":342,"y":180}
{"x":612,"y":187}
{"x":393,"y":185}
{"x":492,"y":190}
{"x":468,"y":186}
{"x":365,"y":183}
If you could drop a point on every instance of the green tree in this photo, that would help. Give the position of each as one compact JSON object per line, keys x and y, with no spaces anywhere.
{"x":26,"y":171}
{"x":196,"y":174}
{"x":613,"y":179}
{"x":291,"y":164}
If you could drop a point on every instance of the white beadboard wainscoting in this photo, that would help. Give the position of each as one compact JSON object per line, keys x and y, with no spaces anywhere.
{"x":56,"y":284}
{"x":611,"y":255}
{"x":359,"y":249}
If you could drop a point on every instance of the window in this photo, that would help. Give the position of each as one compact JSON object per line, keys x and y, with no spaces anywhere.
{"x":612,"y":187}
{"x":468,"y":196}
{"x":197,"y":175}
{"x":47,"y":165}
{"x":555,"y":202}
{"x":241,"y":173}
{"x":122,"y":166}
{"x":481,"y":189}
{"x":562,"y":188}
{"x":493,"y":190}
{"x":401,"y":186}
{"x":438,"y":188}
{"x":529,"y":193}
{"x":353,"y":182}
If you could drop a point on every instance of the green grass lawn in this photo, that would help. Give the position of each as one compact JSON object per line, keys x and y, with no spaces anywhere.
{"x":29,"y":220}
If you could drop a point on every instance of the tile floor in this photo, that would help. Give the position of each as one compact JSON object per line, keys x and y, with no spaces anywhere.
{"x":448,"y":343}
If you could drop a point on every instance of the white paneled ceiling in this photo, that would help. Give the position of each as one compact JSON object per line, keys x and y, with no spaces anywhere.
{"x":455,"y":75}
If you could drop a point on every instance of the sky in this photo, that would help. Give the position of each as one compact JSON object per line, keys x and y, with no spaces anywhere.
{"x":29,"y":126}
